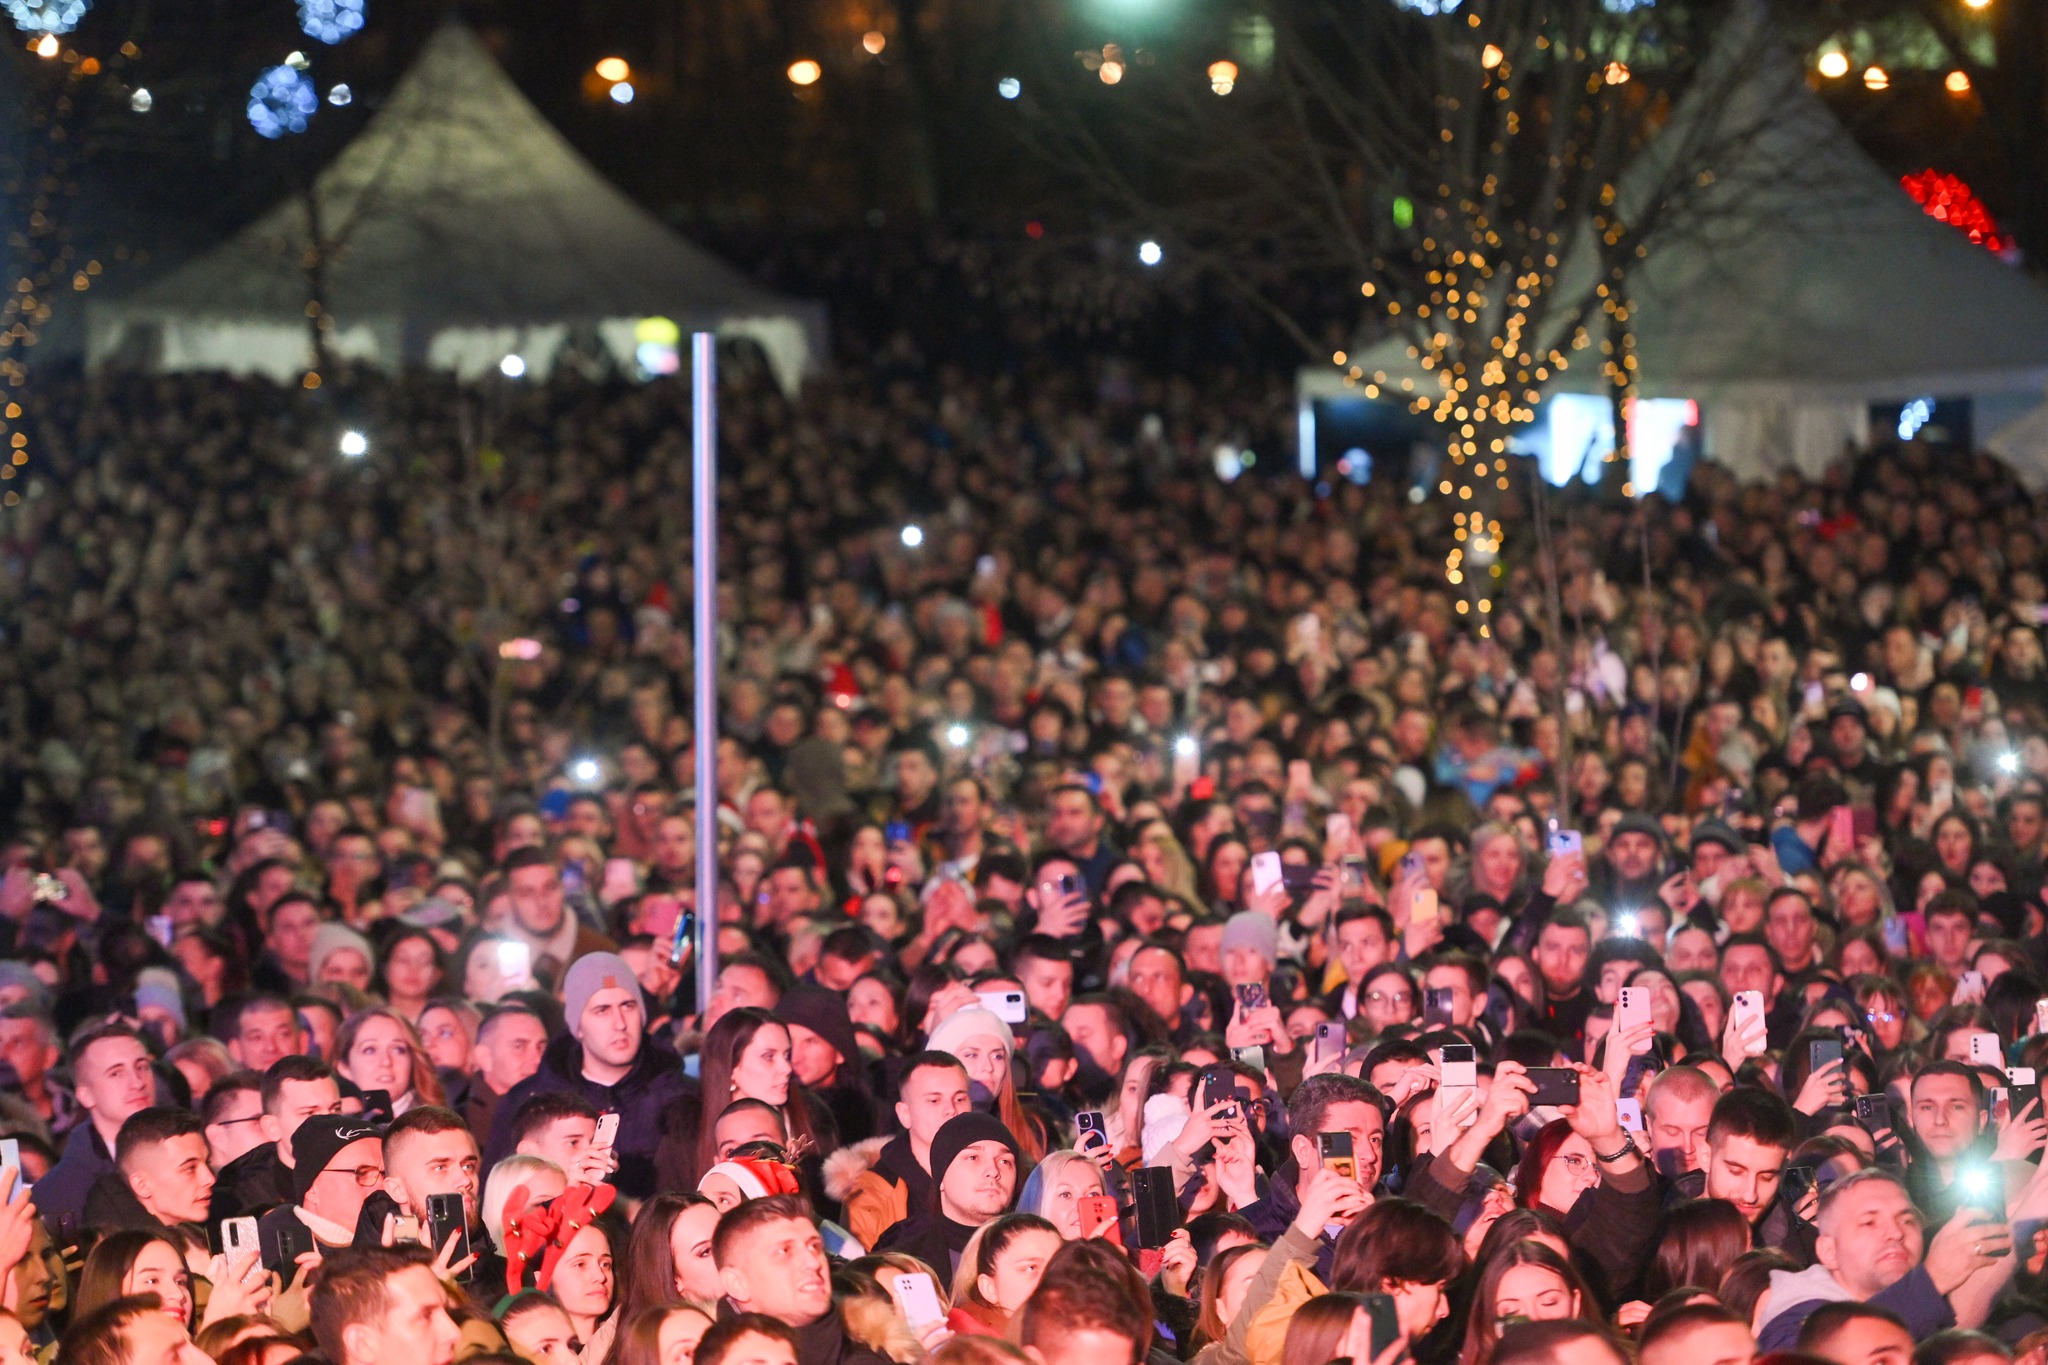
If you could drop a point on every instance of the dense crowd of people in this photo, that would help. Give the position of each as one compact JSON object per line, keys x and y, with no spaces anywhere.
{"x":1259,"y":923}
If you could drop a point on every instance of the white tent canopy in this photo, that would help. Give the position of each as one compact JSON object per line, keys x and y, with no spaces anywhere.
{"x":1803,"y":286}
{"x":461,"y":228}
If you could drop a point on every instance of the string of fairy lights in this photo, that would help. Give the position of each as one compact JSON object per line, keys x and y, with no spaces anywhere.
{"x":1481,"y":273}
{"x":43,"y":262}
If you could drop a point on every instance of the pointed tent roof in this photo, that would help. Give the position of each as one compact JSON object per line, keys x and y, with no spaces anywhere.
{"x":460,"y":206}
{"x":1805,"y":265}
{"x":1804,"y":279}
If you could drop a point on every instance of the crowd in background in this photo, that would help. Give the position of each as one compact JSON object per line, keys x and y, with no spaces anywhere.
{"x":1266,"y":920}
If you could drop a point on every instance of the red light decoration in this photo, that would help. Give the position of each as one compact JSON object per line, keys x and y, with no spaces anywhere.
{"x":1949,"y":199}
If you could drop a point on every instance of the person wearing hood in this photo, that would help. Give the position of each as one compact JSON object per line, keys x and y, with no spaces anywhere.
{"x":1870,"y":1250}
{"x":606,"y":1057}
{"x":974,"y":1179}
{"x":826,"y":1057}
{"x":879,"y":1181}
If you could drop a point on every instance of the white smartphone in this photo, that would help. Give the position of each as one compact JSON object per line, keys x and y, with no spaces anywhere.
{"x":1974,"y":982}
{"x":919,"y":1299}
{"x":1630,"y":1112}
{"x":2041,"y":1016}
{"x":10,"y":1157}
{"x":607,"y":1134}
{"x":1459,"y":1065}
{"x":1748,"y":1005}
{"x":238,"y":1235}
{"x":1336,"y":830}
{"x":1265,"y":874}
{"x":1008,"y":1006}
{"x":1631,"y":1007}
{"x":1985,"y":1051}
{"x":2019,"y":1075}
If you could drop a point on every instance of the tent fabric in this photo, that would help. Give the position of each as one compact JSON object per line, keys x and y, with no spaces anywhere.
{"x":2023,"y":444}
{"x":1801,"y":286}
{"x":457,"y":210}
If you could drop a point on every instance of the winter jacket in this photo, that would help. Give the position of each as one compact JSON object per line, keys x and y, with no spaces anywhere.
{"x":252,"y":1182}
{"x":61,"y":1194}
{"x":111,"y":1206}
{"x":1796,"y":1295}
{"x":879,"y":1182}
{"x":828,"y":1341}
{"x":640,"y":1099}
{"x":1284,"y":1283}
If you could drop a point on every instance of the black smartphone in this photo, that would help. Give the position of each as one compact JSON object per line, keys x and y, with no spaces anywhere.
{"x":1338,"y":1153}
{"x":1822,"y":1052}
{"x":283,"y":1244}
{"x":1874,"y":1111}
{"x":1067,"y":884}
{"x":1796,"y":1183}
{"x":1086,"y":1122}
{"x":2024,"y":1087}
{"x":446,"y":1217}
{"x":377,"y":1106}
{"x":1219,"y":1086}
{"x":1386,"y":1324}
{"x":1155,"y":1205}
{"x":1436,"y":1007}
{"x":1555,"y":1085}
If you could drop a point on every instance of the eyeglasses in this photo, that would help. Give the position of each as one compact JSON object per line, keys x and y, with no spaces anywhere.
{"x":1877,"y":1018}
{"x":369,"y":1177}
{"x":229,"y":1123}
{"x":1577,"y":1165}
{"x":1401,"y":998}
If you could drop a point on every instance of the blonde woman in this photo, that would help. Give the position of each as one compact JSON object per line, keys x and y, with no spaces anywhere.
{"x":375,"y":1049}
{"x":1166,"y":863}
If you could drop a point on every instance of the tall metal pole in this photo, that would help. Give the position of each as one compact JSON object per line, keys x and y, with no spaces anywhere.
{"x":704,"y":543}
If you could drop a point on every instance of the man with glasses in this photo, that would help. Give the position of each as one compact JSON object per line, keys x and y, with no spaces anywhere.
{"x":233,"y":1112}
{"x":339,"y":1164}
{"x":293,"y":1090}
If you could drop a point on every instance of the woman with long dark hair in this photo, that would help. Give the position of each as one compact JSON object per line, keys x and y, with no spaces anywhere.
{"x":1524,"y":1279}
{"x":745,"y":1057}
{"x":410,"y":972}
{"x":1702,"y":1238}
{"x":668,"y":1257}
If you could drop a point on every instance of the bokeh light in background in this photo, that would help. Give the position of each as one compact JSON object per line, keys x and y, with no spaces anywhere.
{"x":282,"y":101}
{"x":47,"y":16}
{"x":330,"y":21}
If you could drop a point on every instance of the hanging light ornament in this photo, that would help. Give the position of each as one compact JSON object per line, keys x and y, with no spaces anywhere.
{"x":281,"y":101}
{"x":46,"y":16}
{"x":330,"y":21}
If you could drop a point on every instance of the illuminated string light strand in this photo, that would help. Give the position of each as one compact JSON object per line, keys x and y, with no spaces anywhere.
{"x":1477,"y":292}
